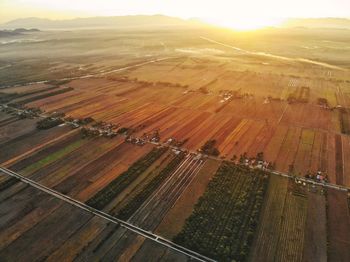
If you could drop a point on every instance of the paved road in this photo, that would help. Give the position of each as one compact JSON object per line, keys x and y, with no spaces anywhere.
{"x":139,"y":231}
{"x":310,"y":181}
{"x":329,"y":185}
{"x":151,"y":212}
{"x":304,"y":60}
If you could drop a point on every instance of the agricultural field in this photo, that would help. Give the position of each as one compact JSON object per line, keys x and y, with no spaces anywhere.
{"x":224,"y":220}
{"x":223,"y":148}
{"x":36,"y":214}
{"x":339,"y":239}
{"x":299,"y":122}
{"x":289,"y":234}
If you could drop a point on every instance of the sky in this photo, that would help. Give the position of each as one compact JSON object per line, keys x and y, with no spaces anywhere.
{"x":224,"y":12}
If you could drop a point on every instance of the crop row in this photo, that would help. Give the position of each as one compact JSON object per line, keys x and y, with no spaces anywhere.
{"x":344,"y":119}
{"x":6,"y":97}
{"x":50,"y":158}
{"x":8,"y":183}
{"x":225,"y":218}
{"x":150,"y":188}
{"x":46,"y":95}
{"x":107,"y":194}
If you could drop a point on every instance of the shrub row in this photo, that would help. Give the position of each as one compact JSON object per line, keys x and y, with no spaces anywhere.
{"x":107,"y":194}
{"x":42,"y":96}
{"x":150,"y":188}
{"x":48,"y":122}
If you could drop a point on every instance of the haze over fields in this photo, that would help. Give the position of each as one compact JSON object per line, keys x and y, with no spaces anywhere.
{"x":174,"y":131}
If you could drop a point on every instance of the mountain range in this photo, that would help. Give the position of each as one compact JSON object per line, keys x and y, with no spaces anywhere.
{"x":339,"y":23}
{"x":98,"y":22}
{"x":140,"y":21}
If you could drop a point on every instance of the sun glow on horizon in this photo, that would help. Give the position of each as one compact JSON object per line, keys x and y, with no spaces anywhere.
{"x":235,"y":14}
{"x":245,"y":23}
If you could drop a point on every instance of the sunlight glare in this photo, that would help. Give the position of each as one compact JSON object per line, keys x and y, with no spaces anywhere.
{"x":244,"y":23}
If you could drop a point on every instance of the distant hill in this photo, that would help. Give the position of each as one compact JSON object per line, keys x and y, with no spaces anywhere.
{"x":98,"y":22}
{"x":17,"y":31}
{"x":339,"y":23}
{"x":139,"y":21}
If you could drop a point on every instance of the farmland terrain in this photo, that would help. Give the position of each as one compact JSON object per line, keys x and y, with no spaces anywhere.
{"x":226,"y":145}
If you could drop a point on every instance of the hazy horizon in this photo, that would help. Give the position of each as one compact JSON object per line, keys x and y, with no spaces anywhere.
{"x":238,"y":15}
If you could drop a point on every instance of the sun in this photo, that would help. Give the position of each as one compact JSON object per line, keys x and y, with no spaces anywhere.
{"x":244,"y":23}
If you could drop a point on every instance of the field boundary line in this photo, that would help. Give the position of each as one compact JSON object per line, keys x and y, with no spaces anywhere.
{"x":146,"y":234}
{"x":273,"y":172}
{"x":186,"y":162}
{"x":36,"y":149}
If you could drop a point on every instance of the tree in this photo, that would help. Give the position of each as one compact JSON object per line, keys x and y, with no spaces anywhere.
{"x":48,"y":122}
{"x":209,"y":148}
